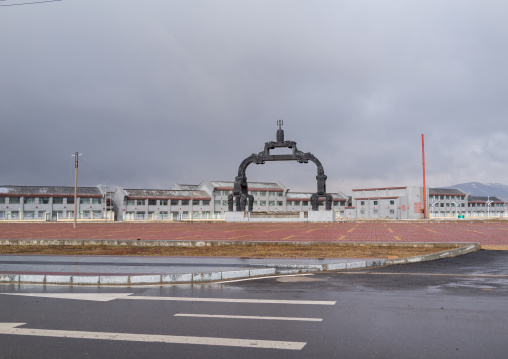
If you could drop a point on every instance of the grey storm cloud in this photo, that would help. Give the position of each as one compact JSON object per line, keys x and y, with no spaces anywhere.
{"x":157,"y":92}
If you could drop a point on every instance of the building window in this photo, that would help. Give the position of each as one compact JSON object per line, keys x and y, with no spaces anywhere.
{"x":255,"y":193}
{"x":152,"y":202}
{"x":163,"y":202}
{"x":58,"y":200}
{"x":280,"y":203}
{"x":225,"y":203}
{"x":392,"y":211}
{"x":375,"y":203}
{"x":28,"y":214}
{"x":14,"y":200}
{"x":131,"y":202}
{"x":262,"y":194}
{"x":84,"y":200}
{"x":70,"y":200}
{"x":375,"y":211}
{"x":2,"y":200}
{"x":262,"y":203}
{"x":140,"y":202}
{"x":29,"y":200}
{"x":392,"y":202}
{"x":305,"y":203}
{"x":96,"y":201}
{"x":140,"y":215}
{"x":174,"y":202}
{"x":362,"y":203}
{"x":43,"y":200}
{"x":206,"y":203}
{"x":216,"y":203}
{"x":271,"y":203}
{"x":185,"y":202}
{"x":195,"y":202}
{"x":97,"y":214}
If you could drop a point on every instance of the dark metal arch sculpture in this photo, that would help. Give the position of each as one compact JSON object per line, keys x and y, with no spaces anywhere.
{"x":241,"y":191}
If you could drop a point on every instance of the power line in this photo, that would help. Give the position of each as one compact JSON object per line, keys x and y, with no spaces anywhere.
{"x":30,"y":3}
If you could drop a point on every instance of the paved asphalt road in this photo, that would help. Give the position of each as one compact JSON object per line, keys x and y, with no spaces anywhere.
{"x":451,"y":308}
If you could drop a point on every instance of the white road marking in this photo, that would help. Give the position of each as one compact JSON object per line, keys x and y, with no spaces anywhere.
{"x":434,"y":274}
{"x":11,"y":329}
{"x":247,"y":317}
{"x":265,"y":277}
{"x":98,"y":297}
{"x":104,"y":297}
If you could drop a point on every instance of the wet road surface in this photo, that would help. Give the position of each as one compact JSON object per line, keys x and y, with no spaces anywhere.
{"x":452,"y":308}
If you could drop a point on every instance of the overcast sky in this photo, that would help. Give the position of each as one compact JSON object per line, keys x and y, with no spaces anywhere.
{"x":155,"y":92}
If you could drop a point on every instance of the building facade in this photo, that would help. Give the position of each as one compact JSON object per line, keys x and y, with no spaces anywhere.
{"x":208,"y":200}
{"x":485,"y":206}
{"x":145,"y":204}
{"x":50,"y":203}
{"x":446,"y":202}
{"x":388,"y":202}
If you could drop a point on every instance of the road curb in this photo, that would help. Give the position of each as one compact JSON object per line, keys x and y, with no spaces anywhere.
{"x":219,"y":243}
{"x":207,"y":277}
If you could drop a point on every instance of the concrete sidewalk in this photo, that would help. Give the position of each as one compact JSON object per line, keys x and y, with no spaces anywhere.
{"x":136,"y":270}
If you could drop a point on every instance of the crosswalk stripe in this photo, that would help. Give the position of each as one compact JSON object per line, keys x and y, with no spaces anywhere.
{"x":11,"y":329}
{"x":122,"y":296}
{"x":235,"y":300}
{"x":247,"y":317}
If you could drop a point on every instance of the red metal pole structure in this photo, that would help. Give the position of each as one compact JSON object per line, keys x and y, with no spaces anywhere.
{"x":424,"y":186}
{"x":75,"y":187}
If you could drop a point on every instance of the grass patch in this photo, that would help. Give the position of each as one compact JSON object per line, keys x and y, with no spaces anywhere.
{"x":254,"y":251}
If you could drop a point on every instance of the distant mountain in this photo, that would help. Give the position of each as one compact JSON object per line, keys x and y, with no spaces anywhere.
{"x":483,"y":189}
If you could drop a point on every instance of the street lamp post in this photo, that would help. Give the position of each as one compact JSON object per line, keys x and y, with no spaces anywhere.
{"x":457,"y":205}
{"x":488,"y":202}
{"x":432,"y":205}
{"x":104,"y":190}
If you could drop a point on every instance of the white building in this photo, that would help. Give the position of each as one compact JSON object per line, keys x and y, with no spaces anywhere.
{"x":50,"y":203}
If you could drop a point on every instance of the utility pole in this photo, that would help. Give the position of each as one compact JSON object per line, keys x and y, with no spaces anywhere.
{"x":424,"y":188}
{"x":76,"y":155}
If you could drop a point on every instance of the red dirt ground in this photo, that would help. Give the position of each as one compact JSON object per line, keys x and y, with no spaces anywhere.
{"x":486,"y":233}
